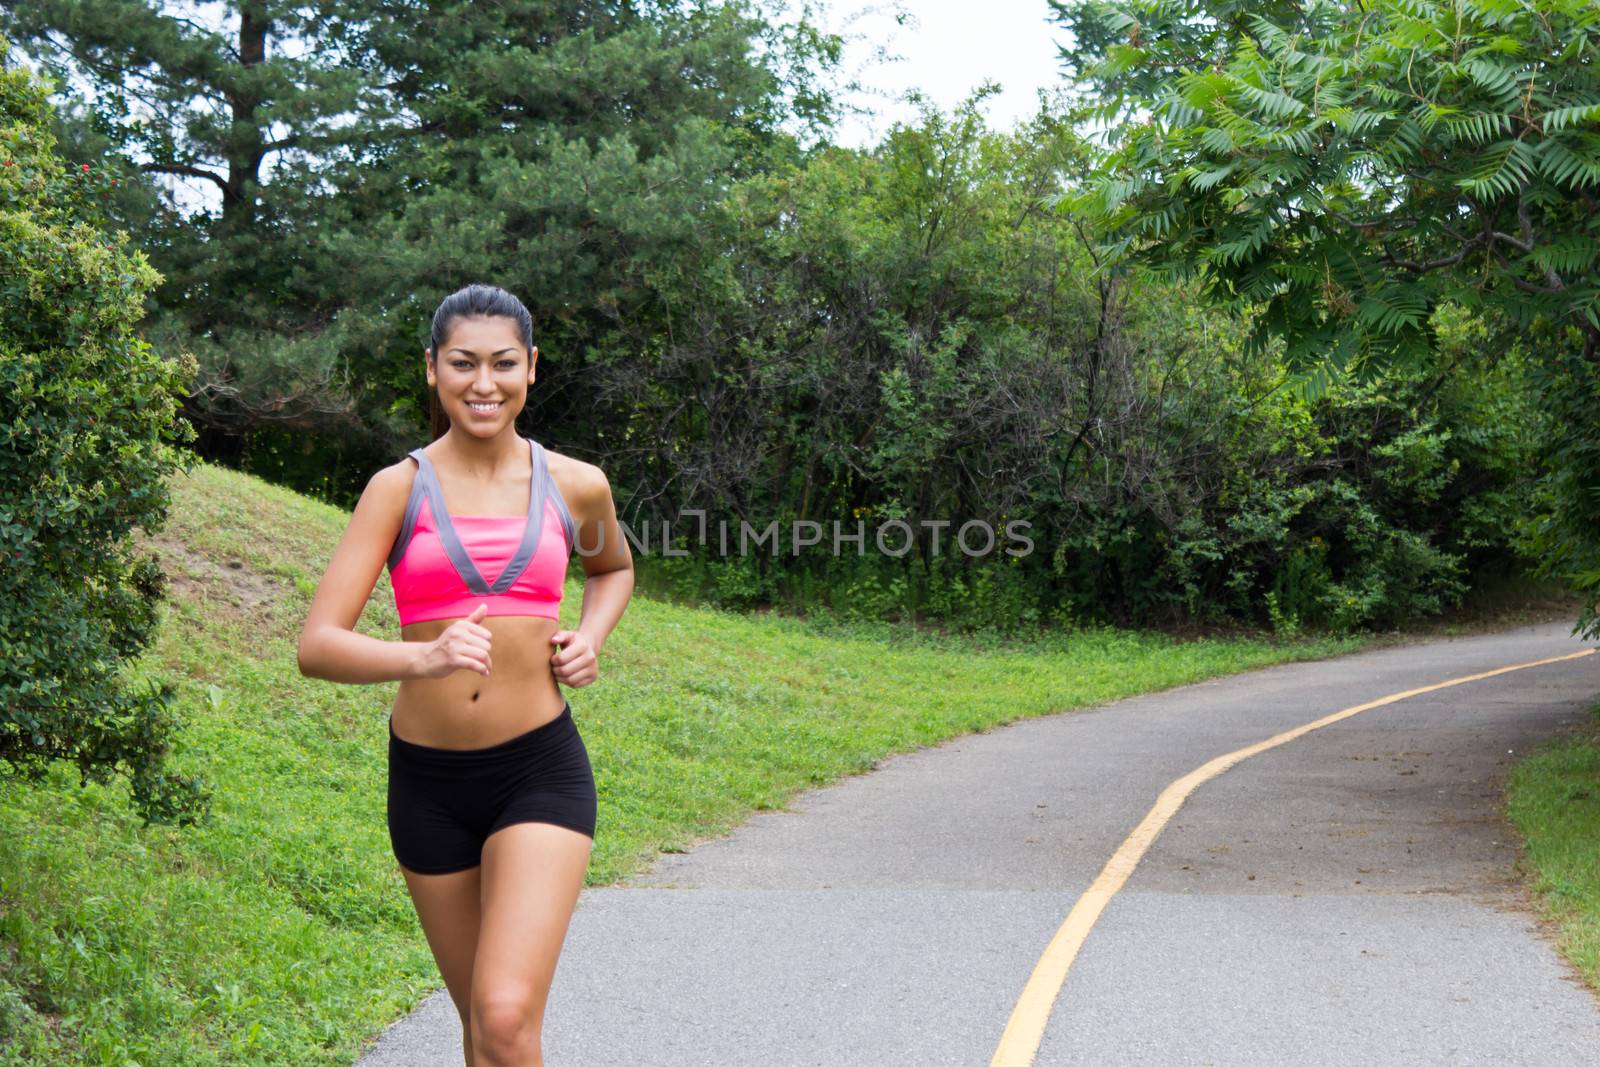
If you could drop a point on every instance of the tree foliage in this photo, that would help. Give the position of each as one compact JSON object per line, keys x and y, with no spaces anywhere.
{"x":373,"y":155}
{"x":581,"y":162}
{"x":1344,"y":171}
{"x":87,"y":429}
{"x":909,"y":333}
{"x":734,"y":321}
{"x":249,"y":124}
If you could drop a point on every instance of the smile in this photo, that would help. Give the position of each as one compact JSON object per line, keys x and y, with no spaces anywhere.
{"x":485,"y":409}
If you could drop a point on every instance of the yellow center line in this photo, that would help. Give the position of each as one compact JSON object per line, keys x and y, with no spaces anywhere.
{"x":1025,"y":1029}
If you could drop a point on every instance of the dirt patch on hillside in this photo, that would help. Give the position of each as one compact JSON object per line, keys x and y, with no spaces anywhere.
{"x":226,"y":585}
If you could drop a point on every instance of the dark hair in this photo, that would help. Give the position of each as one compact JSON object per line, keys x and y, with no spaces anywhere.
{"x":472,"y":301}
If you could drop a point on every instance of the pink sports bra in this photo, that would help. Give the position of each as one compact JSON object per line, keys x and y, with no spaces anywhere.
{"x":435,"y":564}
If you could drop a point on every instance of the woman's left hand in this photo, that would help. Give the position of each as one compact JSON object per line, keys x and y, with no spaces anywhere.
{"x":574,"y":662}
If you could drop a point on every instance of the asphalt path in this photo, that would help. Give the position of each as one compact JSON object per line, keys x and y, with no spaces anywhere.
{"x":1346,"y":898}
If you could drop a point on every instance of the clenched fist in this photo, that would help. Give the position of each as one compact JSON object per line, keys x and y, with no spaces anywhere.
{"x":574,"y":662}
{"x":464,"y":644}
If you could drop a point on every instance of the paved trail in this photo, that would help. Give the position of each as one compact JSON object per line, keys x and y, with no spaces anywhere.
{"x":1346,"y":898}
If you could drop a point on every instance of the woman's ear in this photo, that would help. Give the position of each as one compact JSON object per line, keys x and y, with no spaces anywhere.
{"x":533,"y":362}
{"x":427,"y":360}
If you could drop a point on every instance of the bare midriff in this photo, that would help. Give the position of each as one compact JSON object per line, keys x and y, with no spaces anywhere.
{"x":466,"y":709}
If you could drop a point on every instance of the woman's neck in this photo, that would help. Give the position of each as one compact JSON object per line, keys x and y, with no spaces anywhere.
{"x":485,"y":460}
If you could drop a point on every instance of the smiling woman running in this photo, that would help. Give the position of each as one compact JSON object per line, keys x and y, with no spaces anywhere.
{"x":491,"y":796}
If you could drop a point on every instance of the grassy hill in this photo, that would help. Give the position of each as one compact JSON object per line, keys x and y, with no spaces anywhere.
{"x":281,"y":933}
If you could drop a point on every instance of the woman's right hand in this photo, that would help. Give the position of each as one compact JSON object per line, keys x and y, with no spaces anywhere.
{"x":464,"y":644}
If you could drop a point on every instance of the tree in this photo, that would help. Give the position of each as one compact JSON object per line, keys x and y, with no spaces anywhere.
{"x":257,"y":126}
{"x":251,"y":111}
{"x":907,"y":333}
{"x":1343,"y":172}
{"x":87,"y":430}
{"x":581,"y":156}
{"x":372,"y":155}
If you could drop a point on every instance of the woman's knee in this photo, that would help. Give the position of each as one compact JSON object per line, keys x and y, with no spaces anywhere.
{"x":505,"y":1025}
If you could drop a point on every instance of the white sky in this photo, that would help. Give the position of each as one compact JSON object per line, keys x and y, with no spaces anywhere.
{"x":948,"y":48}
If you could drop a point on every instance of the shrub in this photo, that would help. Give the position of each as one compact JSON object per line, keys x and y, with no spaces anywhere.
{"x":87,"y":435}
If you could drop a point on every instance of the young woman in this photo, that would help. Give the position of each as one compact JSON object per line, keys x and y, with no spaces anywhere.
{"x":491,"y":795}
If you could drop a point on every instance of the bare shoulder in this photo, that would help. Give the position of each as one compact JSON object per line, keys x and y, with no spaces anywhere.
{"x":392,"y":483}
{"x":359,"y":557}
{"x":587,"y":492}
{"x":581,"y":483}
{"x":383,"y":501}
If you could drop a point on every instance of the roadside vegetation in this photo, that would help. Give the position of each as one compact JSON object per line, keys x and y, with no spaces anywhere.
{"x":1554,"y":800}
{"x":279,"y":931}
{"x":739,"y":318}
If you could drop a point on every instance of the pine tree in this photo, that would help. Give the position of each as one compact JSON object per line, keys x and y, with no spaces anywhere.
{"x":372,"y":155}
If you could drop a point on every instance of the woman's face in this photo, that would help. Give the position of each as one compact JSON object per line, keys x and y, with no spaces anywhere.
{"x":482,"y":373}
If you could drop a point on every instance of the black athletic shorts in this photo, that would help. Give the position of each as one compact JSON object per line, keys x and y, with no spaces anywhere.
{"x":445,"y":802}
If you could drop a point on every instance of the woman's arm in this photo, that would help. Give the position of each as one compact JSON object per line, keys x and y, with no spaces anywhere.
{"x":608,"y":578}
{"x":329,"y":646}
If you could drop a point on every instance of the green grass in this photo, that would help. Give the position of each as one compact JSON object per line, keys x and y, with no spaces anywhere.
{"x":1554,"y":800}
{"x":281,"y":932}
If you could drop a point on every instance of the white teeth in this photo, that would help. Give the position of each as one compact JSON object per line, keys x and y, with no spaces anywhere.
{"x":483,"y":407}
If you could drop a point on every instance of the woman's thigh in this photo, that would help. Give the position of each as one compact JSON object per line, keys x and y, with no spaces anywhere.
{"x":450,"y":909}
{"x":532,"y":873}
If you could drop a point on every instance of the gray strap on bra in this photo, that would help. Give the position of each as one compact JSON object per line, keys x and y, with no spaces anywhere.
{"x":568,"y":527}
{"x":427,"y":485}
{"x":408,"y":526}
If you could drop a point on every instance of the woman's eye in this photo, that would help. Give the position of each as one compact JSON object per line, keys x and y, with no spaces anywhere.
{"x":508,"y":363}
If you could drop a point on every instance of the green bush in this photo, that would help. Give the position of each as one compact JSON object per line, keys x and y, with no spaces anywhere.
{"x":87,"y":433}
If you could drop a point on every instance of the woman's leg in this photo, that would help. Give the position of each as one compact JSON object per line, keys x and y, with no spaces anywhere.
{"x":449,"y":906}
{"x":531,"y":876}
